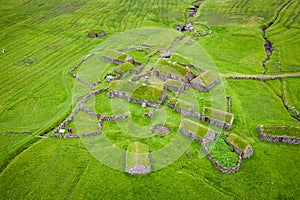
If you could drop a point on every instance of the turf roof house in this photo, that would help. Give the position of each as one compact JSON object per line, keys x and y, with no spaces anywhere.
{"x":146,"y":95}
{"x":175,"y":85}
{"x":165,"y":70}
{"x":118,"y":57}
{"x":196,"y":131}
{"x":240,"y":146}
{"x":205,"y":81}
{"x":218,"y":117}
{"x":125,"y":61}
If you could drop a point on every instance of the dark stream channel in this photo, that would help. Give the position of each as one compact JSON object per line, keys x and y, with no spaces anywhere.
{"x":268,"y":43}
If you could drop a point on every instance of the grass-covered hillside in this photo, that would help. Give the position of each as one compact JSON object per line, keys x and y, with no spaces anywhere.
{"x":41,"y":41}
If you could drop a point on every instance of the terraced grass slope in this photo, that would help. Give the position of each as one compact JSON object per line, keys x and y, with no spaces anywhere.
{"x":43,"y":40}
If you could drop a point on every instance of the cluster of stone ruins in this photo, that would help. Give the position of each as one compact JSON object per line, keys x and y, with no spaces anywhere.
{"x":187,"y":81}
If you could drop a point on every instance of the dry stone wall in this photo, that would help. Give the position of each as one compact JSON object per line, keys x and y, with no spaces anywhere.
{"x":217,"y":123}
{"x":101,"y":118}
{"x":179,"y":89}
{"x":190,"y":113}
{"x":72,"y":72}
{"x":211,"y":136}
{"x":201,"y":87}
{"x":18,"y":132}
{"x":220,"y":167}
{"x":190,"y":134}
{"x":169,"y":75}
{"x":125,"y":95}
{"x":228,"y":103}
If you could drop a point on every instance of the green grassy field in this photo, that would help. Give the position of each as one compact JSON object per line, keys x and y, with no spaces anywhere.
{"x":45,"y":39}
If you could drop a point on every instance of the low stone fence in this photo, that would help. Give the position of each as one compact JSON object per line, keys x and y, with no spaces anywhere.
{"x":125,"y":95}
{"x":228,"y":103}
{"x":78,"y":64}
{"x":213,"y":84}
{"x":190,"y":134}
{"x":217,"y":123}
{"x":220,"y":167}
{"x":202,"y":87}
{"x":65,"y":135}
{"x":111,"y":60}
{"x":101,"y":118}
{"x":90,"y":112}
{"x":150,"y":114}
{"x":90,"y":95}
{"x":190,"y":113}
{"x":169,"y":75}
{"x":137,"y":78}
{"x":249,"y":77}
{"x":93,"y":85}
{"x":114,"y":117}
{"x":272,"y":138}
{"x":211,"y":136}
{"x":100,"y":123}
{"x":65,"y":123}
{"x":162,"y":96}
{"x":18,"y":132}
{"x":179,"y":89}
{"x":193,"y":66}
